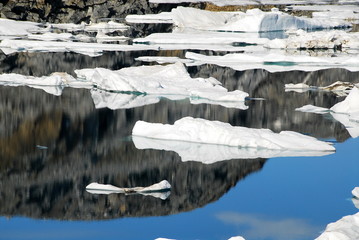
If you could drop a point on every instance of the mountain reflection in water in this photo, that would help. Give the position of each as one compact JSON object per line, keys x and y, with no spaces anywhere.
{"x":78,"y":144}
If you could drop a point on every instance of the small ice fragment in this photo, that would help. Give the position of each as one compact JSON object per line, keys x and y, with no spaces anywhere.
{"x":312,"y":109}
{"x":236,"y":238}
{"x":41,"y":147}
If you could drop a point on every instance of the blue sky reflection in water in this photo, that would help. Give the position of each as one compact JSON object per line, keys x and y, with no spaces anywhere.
{"x":290,"y":198}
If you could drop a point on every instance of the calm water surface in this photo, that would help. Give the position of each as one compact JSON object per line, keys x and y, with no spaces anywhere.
{"x":51,"y":147}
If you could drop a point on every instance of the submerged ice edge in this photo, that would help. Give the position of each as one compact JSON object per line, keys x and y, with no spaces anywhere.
{"x":199,"y":130}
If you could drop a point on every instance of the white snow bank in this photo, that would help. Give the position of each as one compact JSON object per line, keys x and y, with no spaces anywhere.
{"x":347,"y":228}
{"x":276,"y":61}
{"x":210,"y":153}
{"x":355,"y":192}
{"x":317,"y":40}
{"x":157,"y":190}
{"x":168,"y":81}
{"x":213,"y":132}
{"x":16,"y":28}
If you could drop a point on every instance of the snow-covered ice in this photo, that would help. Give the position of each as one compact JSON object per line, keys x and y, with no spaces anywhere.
{"x":160,"y":189}
{"x":14,"y":29}
{"x":198,"y":130}
{"x":211,"y":153}
{"x":346,"y":228}
{"x":253,"y":20}
{"x":170,"y":81}
{"x":350,"y":104}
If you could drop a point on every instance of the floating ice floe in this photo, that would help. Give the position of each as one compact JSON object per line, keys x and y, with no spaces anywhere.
{"x":236,"y":238}
{"x":170,"y":81}
{"x":334,"y":39}
{"x":253,"y":20}
{"x":90,"y":49}
{"x":52,"y":84}
{"x":198,"y":130}
{"x":347,"y":228}
{"x":198,"y":39}
{"x":346,"y":112}
{"x":210,"y":153}
{"x":339,"y":88}
{"x":159,"y":190}
{"x":275,"y":61}
{"x":14,"y":29}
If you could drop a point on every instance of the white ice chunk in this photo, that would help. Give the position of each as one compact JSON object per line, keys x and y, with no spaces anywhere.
{"x":90,"y":49}
{"x":16,"y":28}
{"x":355,"y":192}
{"x":167,"y":81}
{"x":106,"y":27}
{"x":210,"y":153}
{"x":313,"y":109}
{"x":253,"y":20}
{"x":213,"y":132}
{"x":347,"y":228}
{"x":160,"y":190}
{"x":350,"y":105}
{"x":163,"y":17}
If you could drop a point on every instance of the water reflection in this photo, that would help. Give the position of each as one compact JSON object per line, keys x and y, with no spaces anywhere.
{"x":81,"y":144}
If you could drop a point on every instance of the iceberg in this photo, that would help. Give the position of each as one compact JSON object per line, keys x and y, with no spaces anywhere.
{"x":160,"y":190}
{"x":198,"y":130}
{"x":253,"y":20}
{"x":170,"y":81}
{"x":211,"y":153}
{"x":350,"y":105}
{"x":347,"y":228}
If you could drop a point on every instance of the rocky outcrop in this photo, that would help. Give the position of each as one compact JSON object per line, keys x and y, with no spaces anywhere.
{"x":76,"y":11}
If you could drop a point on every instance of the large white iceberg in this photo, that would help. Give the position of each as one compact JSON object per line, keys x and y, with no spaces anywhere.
{"x":347,"y":228}
{"x":198,"y":130}
{"x":253,"y":20}
{"x":170,"y":81}
{"x":210,"y":153}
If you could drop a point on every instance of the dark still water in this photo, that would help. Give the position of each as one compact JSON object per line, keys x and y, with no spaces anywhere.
{"x":51,"y":147}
